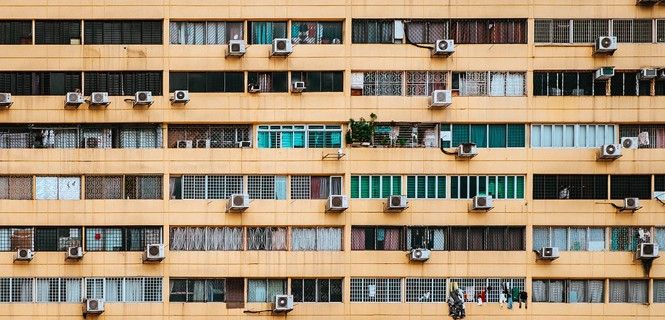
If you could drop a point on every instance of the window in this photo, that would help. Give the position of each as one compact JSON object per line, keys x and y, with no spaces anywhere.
{"x":628,"y":84}
{"x":432,"y":238}
{"x":406,"y":135}
{"x":488,"y":31}
{"x":499,"y":187}
{"x":649,"y":136}
{"x":569,"y":186}
{"x":207,"y":81}
{"x":372,"y":31}
{"x":483,"y":135}
{"x":633,"y":30}
{"x":634,"y":186}
{"x":316,"y":32}
{"x":315,"y":187}
{"x":625,"y":238}
{"x":16,"y":187}
{"x":205,"y":32}
{"x":425,"y":290}
{"x":629,"y":291}
{"x":423,"y":83}
{"x":659,"y":183}
{"x":267,"y":187}
{"x":375,"y":187}
{"x":111,"y":187}
{"x":139,"y":138}
{"x":660,"y":236}
{"x":206,"y":187}
{"x":568,"y":291}
{"x":569,"y":238}
{"x":265,"y":290}
{"x":235,"y":293}
{"x":316,"y":290}
{"x":320,"y":81}
{"x":210,"y":136}
{"x":659,"y":291}
{"x":12,"y":239}
{"x":269,"y":81}
{"x":316,"y":239}
{"x":588,"y":30}
{"x":426,"y":31}
{"x":567,"y":83}
{"x":15,"y":32}
{"x":206,"y":239}
{"x":16,"y":289}
{"x":486,"y":239}
{"x":121,"y":238}
{"x":382,"y":83}
{"x":124,"y":289}
{"x":377,"y":238}
{"x":376,"y":290}
{"x":143,"y":187}
{"x":57,"y":238}
{"x":572,"y":135}
{"x":266,"y":238}
{"x":486,"y":83}
{"x":426,"y":187}
{"x":264,"y":32}
{"x":300,"y":136}
{"x":39,"y":83}
{"x":123,"y":31}
{"x":123,"y":83}
{"x":103,"y":187}
{"x":58,"y":290}
{"x":491,"y":286}
{"x":196,"y":290}
{"x":57,"y":32}
{"x":58,"y":188}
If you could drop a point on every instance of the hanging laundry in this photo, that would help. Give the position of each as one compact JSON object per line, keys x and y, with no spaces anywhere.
{"x":523,"y":297}
{"x":456,"y":302}
{"x":643,"y":139}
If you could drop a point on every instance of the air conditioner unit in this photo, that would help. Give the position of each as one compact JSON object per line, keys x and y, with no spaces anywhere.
{"x":548,"y":253}
{"x":396,"y":203}
{"x":647,"y":2}
{"x":6,"y":100}
{"x":483,"y":203}
{"x":238,"y":202}
{"x":253,"y":88}
{"x":92,"y":143}
{"x":298,"y":86}
{"x":606,"y":45}
{"x":74,"y":253}
{"x":647,"y":251}
{"x":419,"y":254}
{"x":337,"y":203}
{"x":154,"y":252}
{"x":244,"y":144}
{"x":443,"y":48}
{"x":24,"y":254}
{"x":604,"y":73}
{"x":610,"y":151}
{"x":283,"y":303}
{"x":631,"y":204}
{"x":93,"y":306}
{"x":203,"y":143}
{"x":74,"y":99}
{"x":467,"y":150}
{"x":236,"y":48}
{"x":441,"y":98}
{"x":630,"y":142}
{"x":143,"y":98}
{"x":648,"y":73}
{"x":281,"y":47}
{"x":99,"y":99}
{"x":180,"y":96}
{"x":184,"y":144}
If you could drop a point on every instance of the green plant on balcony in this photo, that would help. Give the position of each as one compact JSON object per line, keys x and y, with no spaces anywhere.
{"x":361,"y":131}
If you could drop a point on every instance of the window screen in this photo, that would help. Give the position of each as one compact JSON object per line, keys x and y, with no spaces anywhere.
{"x":15,"y":32}
{"x":570,"y":187}
{"x":638,"y":186}
{"x":123,"y":83}
{"x":57,"y":32}
{"x":207,"y":81}
{"x":123,"y":31}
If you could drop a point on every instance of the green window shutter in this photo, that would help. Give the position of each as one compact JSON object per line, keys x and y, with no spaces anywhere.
{"x":515,"y":136}
{"x":354,"y":187}
{"x":454,"y":192}
{"x":479,"y":135}
{"x":431,"y":187}
{"x":376,"y":187}
{"x":411,"y":187}
{"x":491,"y":186}
{"x":501,"y":184}
{"x":335,"y":140}
{"x":274,"y":137}
{"x":482,"y":185}
{"x":264,"y":140}
{"x":421,"y":187}
{"x":519,"y":190}
{"x":299,"y":139}
{"x":460,"y":134}
{"x":364,"y":187}
{"x":497,"y":136}
{"x":287,"y":139}
{"x":441,"y":190}
{"x":511,"y":187}
{"x":397,"y":185}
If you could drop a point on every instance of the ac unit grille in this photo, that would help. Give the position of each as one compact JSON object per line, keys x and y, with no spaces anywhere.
{"x":395,"y":201}
{"x":418,"y":253}
{"x":547,"y":252}
{"x":143,"y":96}
{"x":180,"y":95}
{"x":605,"y":43}
{"x":482,"y":201}
{"x":23,"y":253}
{"x":647,"y":249}
{"x":440,"y":96}
{"x":4,"y":97}
{"x":281,"y":45}
{"x":627,"y":143}
{"x":235,"y":47}
{"x":443,"y":45}
{"x":238,"y":201}
{"x":153,"y":250}
{"x":467,"y":148}
{"x":336,"y":201}
{"x":73,"y":251}
{"x":610,"y":149}
{"x":630,"y":202}
{"x":97,"y":98}
{"x":282,"y":302}
{"x":93,"y":305}
{"x":73,"y":97}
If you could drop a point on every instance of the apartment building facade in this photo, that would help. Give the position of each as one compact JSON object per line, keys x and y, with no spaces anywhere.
{"x":198,"y":158}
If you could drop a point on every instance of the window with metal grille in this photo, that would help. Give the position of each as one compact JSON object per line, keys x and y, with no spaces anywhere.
{"x":320,"y":81}
{"x":143,"y":187}
{"x":39,"y":83}
{"x":426,"y":31}
{"x":315,"y":187}
{"x":205,"y":32}
{"x":210,"y":136}
{"x":474,"y":31}
{"x":264,"y":32}
{"x":57,"y":188}
{"x":123,"y":31}
{"x":300,"y":136}
{"x":567,"y":83}
{"x":633,"y":186}
{"x":406,"y":135}
{"x":568,"y":291}
{"x":629,"y":291}
{"x":372,"y":31}
{"x":628,"y":84}
{"x":489,"y":83}
{"x":206,"y":187}
{"x":316,"y":239}
{"x":196,"y":290}
{"x":376,"y":290}
{"x":321,"y":32}
{"x":16,"y":289}
{"x":135,"y":289}
{"x":660,"y":236}
{"x":627,"y":238}
{"x":16,"y":187}
{"x":572,"y":135}
{"x":499,"y":187}
{"x":375,"y":187}
{"x":12,"y":239}
{"x":377,"y":238}
{"x":267,"y":238}
{"x":123,"y":83}
{"x":471,"y":287}
{"x":266,"y":187}
{"x":316,"y":290}
{"x":425,"y":290}
{"x":265,"y":290}
{"x":121,"y":238}
{"x":432,"y":238}
{"x":382,"y":83}
{"x":550,"y":186}
{"x":659,"y":291}
{"x":57,"y":238}
{"x":206,"y":238}
{"x":15,"y":32}
{"x":103,"y":187}
{"x":150,"y":137}
{"x":483,"y":135}
{"x":511,"y":238}
{"x":633,"y":30}
{"x":569,"y":238}
{"x":57,"y":32}
{"x":426,"y":187}
{"x":207,"y":81}
{"x":649,"y":135}
{"x":423,"y":83}
{"x":269,"y":81}
{"x":58,"y":289}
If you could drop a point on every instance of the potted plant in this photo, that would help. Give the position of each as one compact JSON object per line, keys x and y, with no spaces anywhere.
{"x":361,"y":131}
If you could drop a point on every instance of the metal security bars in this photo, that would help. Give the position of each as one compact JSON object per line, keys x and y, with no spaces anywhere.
{"x":16,"y":187}
{"x":567,"y":83}
{"x":406,"y":135}
{"x":264,"y":32}
{"x":269,"y":81}
{"x":570,"y":238}
{"x":121,"y":238}
{"x":473,"y":286}
{"x":649,"y":135}
{"x":568,"y":291}
{"x":320,"y":81}
{"x":398,"y":83}
{"x":209,"y":136}
{"x":12,"y":239}
{"x":629,"y":291}
{"x":81,"y":136}
{"x":135,"y":289}
{"x":56,"y":238}
{"x":125,"y":83}
{"x":316,"y":239}
{"x":299,"y":136}
{"x":569,"y":187}
{"x":316,"y":290}
{"x":376,"y":290}
{"x":39,"y":83}
{"x":16,"y":289}
{"x":266,"y":187}
{"x":57,"y":32}
{"x":15,"y":32}
{"x":425,"y":290}
{"x":207,"y":81}
{"x":375,"y":187}
{"x":630,"y":186}
{"x":267,"y":238}
{"x":123,"y":31}
{"x":196,"y":290}
{"x":205,"y":187}
{"x":205,"y":32}
{"x":588,"y":30}
{"x":58,"y":290}
{"x":499,"y":187}
{"x":115,"y":187}
{"x":206,"y":238}
{"x":489,"y":83}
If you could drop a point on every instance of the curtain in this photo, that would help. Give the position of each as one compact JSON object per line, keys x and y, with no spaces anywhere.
{"x":303,"y":239}
{"x":46,"y":188}
{"x":596,"y":239}
{"x":261,"y":32}
{"x":576,"y":291}
{"x":257,"y":290}
{"x":357,"y":239}
{"x":596,"y":291}
{"x":328,"y":239}
{"x":539,"y":290}
{"x":215,"y":32}
{"x":479,"y":135}
{"x":498,"y":84}
{"x":319,"y":187}
{"x":391,"y":241}
{"x":497,"y":136}
{"x":618,"y":290}
{"x":439,"y":239}
{"x":69,"y":188}
{"x":72,"y":290}
{"x":637,"y":291}
{"x":233,"y":238}
{"x":556,"y":292}
{"x":335,"y":185}
{"x":198,"y":289}
{"x":42,"y":289}
{"x":280,"y":187}
{"x":133,"y":289}
{"x":114,"y":290}
{"x":659,"y":291}
{"x":660,"y":138}
{"x":560,"y":238}
{"x":94,"y":288}
{"x":578,"y":239}
{"x":515,"y":84}
{"x":277,"y":239}
{"x":275,"y":287}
